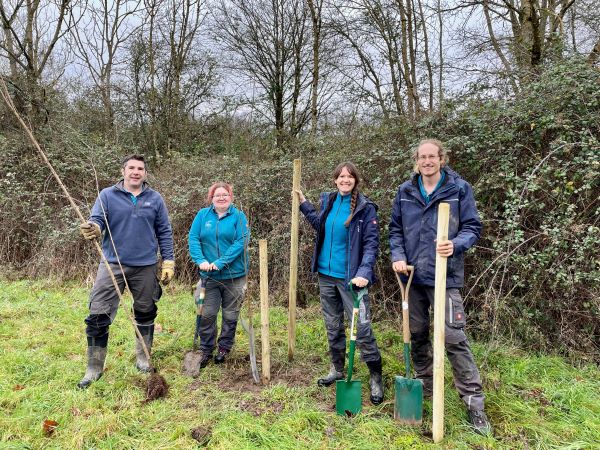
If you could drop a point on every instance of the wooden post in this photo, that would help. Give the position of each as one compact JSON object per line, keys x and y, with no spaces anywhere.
{"x":294,"y":261}
{"x":439,"y":324}
{"x":264,"y":311}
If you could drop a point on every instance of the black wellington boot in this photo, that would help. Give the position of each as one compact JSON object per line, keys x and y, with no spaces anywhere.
{"x":336,"y":371}
{"x":141,"y":360}
{"x":376,"y":381}
{"x":96,"y":355}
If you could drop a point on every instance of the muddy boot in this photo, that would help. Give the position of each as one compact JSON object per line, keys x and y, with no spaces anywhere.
{"x":480,"y":423}
{"x":205,"y":359}
{"x":95,"y":366}
{"x":333,"y":375}
{"x":142,"y":363}
{"x":336,"y":372}
{"x":376,"y":381}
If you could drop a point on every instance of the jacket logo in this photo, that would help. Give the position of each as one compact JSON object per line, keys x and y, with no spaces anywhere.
{"x":208,"y":224}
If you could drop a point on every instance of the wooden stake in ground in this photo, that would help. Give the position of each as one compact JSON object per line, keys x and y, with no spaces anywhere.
{"x":439,"y":324}
{"x":264,"y":311}
{"x":294,"y":261}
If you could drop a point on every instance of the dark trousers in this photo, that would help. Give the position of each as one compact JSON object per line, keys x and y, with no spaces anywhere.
{"x":466,"y":375}
{"x":335,"y":300}
{"x":104,"y":300}
{"x":226,"y":295}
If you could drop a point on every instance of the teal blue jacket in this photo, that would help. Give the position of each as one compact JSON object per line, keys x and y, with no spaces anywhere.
{"x":221,"y":241}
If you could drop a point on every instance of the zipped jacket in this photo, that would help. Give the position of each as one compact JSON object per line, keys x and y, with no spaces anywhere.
{"x":363,"y":235}
{"x":413,"y":228}
{"x":137,"y":230}
{"x":221,"y":241}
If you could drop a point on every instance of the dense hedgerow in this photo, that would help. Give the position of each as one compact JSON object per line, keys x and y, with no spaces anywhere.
{"x":532,"y":160}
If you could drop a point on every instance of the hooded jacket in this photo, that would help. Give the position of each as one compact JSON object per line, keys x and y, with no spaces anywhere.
{"x":363,"y":235}
{"x":138,"y":230}
{"x":413,"y":228}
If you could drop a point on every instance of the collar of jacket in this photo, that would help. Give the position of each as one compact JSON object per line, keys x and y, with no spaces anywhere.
{"x":229,"y":210}
{"x":361,"y":202}
{"x":448,"y":186}
{"x":120,"y":186}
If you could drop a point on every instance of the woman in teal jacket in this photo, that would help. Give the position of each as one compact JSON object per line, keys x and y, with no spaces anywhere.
{"x":217,"y":242}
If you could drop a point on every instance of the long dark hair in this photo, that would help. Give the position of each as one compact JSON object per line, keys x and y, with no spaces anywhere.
{"x":353,"y":171}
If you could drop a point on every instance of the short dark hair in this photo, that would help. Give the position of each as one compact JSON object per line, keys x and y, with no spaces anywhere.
{"x":136,"y":157}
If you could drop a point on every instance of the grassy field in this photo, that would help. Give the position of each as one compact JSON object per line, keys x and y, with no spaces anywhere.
{"x":533,"y":401}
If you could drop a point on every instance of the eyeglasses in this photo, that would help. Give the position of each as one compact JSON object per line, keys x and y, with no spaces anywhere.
{"x":221,"y":196}
{"x":426,"y":157}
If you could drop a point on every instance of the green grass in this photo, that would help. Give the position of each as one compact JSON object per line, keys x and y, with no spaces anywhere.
{"x":533,"y":401}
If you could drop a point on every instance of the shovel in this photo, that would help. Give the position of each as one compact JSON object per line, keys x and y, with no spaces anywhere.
{"x":191,"y":359}
{"x":408,"y":405}
{"x":348,"y":397}
{"x":199,"y":294}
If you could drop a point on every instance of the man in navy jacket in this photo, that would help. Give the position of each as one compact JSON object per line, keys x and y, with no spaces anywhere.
{"x":413,"y":232}
{"x":135,"y":223}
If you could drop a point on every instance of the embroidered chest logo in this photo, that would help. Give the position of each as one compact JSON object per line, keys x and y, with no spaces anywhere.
{"x":208,"y":224}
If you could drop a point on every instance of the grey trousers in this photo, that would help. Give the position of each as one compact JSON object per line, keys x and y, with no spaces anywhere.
{"x":228,"y":296}
{"x":104,"y":301}
{"x":466,"y":375}
{"x":335,"y":300}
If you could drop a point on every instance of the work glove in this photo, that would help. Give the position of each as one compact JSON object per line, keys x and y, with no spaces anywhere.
{"x":90,"y":230}
{"x":167,"y":271}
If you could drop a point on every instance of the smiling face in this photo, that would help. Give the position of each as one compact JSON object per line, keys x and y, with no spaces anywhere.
{"x":429,"y":161}
{"x":345,"y":182}
{"x":134,"y":175}
{"x":221,"y":199}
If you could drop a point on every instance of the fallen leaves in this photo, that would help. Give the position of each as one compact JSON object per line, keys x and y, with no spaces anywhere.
{"x":49,"y":426}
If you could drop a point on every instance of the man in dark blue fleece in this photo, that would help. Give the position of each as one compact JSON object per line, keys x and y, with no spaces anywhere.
{"x":135,"y":223}
{"x":413,"y":232}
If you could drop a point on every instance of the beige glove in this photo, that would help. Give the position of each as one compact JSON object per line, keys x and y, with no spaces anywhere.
{"x":90,"y":230}
{"x":167,"y":271}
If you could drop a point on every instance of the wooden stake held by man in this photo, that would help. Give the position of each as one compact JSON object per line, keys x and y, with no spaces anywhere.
{"x":294,"y":261}
{"x":264,"y":311}
{"x":439,"y":324}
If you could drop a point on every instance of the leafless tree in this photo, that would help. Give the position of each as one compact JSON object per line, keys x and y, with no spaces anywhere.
{"x":103,"y":28}
{"x":31,"y":31}
{"x":171,"y":73}
{"x":315,"y":7}
{"x":269,"y":45}
{"x":391,"y":46}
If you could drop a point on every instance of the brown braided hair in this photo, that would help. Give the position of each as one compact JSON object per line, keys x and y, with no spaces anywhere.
{"x":354,"y":173}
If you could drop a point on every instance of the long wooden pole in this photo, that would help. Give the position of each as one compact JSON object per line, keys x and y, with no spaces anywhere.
{"x":439,"y":324}
{"x":294,"y":261}
{"x":264,"y":310}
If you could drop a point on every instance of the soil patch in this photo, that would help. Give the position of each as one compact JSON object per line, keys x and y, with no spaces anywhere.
{"x":202,"y":435}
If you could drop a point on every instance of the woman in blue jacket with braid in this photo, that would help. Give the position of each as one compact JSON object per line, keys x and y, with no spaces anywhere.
{"x":217,"y":242}
{"x":346,"y":248}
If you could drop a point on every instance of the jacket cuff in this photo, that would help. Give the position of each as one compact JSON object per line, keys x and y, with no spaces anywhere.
{"x":399,"y":257}
{"x":363,"y":273}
